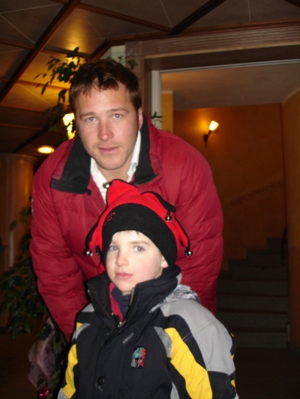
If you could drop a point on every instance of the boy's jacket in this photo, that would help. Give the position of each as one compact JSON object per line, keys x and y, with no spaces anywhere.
{"x":169,"y":346}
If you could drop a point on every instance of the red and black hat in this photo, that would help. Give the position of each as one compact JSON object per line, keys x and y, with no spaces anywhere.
{"x":148,"y":213}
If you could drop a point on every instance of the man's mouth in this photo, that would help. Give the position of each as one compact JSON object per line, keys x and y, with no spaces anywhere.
{"x":108,"y":150}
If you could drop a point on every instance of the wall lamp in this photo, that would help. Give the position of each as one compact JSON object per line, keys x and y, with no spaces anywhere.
{"x":212,"y":127}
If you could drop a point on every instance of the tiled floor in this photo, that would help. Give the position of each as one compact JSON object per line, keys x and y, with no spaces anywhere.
{"x":261,"y":373}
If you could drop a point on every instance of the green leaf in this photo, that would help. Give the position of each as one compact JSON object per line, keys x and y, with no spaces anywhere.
{"x":73,"y":53}
{"x":24,"y":245}
{"x":13,"y":225}
{"x":24,"y":215}
{"x":5,"y":307}
{"x":45,"y":331}
{"x":44,"y":88}
{"x":61,"y":94}
{"x":132,"y":64}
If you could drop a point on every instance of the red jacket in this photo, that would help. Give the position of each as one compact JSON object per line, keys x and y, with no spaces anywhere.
{"x":67,"y":203}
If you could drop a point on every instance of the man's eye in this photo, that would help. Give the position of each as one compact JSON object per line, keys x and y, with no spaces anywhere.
{"x":118,"y":116}
{"x":90,"y":119}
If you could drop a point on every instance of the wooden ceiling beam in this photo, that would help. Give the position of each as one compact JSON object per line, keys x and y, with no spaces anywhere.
{"x":119,"y":16}
{"x":195,"y":16}
{"x":294,"y":2}
{"x":247,"y":27}
{"x":16,"y":43}
{"x":24,"y":127}
{"x":33,"y":84}
{"x":101,"y":50}
{"x":30,"y":140}
{"x":46,"y":49}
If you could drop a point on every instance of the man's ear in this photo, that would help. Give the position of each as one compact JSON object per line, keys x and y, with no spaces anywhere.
{"x":164,"y":263}
{"x":140,"y":118}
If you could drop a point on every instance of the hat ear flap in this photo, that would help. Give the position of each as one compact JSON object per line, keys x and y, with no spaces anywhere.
{"x":92,"y":241}
{"x":169,"y":207}
{"x":177,"y":229}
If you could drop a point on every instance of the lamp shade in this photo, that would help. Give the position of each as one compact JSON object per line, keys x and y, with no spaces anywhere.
{"x":213,"y":125}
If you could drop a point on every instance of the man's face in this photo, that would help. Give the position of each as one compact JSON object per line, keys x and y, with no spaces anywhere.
{"x":133,"y":258}
{"x":108,"y":124}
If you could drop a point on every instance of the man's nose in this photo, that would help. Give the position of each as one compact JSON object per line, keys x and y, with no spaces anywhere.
{"x":104,"y":131}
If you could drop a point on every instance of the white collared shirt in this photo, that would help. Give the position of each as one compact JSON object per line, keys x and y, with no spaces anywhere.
{"x":100,"y":180}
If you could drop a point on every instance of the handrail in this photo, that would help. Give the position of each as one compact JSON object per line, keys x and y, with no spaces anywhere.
{"x":251,"y":194}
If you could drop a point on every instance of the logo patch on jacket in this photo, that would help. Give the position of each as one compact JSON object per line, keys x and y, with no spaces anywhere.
{"x":138,"y":357}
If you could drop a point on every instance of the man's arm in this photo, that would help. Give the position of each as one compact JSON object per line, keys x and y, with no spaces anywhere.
{"x":60,"y":281}
{"x":202,"y":217}
{"x":199,"y":211}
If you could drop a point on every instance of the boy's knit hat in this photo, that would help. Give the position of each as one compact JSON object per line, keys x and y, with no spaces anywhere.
{"x":148,"y":213}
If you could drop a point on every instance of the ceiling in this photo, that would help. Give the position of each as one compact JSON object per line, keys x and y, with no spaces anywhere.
{"x":32,"y":31}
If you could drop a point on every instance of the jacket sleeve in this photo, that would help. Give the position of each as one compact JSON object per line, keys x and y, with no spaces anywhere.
{"x":199,"y":211}
{"x":69,"y":386}
{"x":202,"y":355}
{"x":59,"y":278}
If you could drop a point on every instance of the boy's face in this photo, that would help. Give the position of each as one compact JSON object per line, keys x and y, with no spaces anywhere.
{"x":107,"y":125}
{"x":131,"y":259}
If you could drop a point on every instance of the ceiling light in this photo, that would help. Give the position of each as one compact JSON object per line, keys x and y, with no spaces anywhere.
{"x":45,"y":149}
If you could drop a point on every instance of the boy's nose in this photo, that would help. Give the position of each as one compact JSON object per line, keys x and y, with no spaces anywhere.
{"x":122,"y":259}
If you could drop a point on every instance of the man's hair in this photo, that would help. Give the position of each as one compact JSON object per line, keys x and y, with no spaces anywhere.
{"x":102,"y":75}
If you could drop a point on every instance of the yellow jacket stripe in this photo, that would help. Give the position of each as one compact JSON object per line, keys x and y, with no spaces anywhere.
{"x":69,"y":389}
{"x":196,"y":377}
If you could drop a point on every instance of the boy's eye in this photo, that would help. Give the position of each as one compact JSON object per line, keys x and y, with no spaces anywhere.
{"x":138,"y":248}
{"x":112,"y":248}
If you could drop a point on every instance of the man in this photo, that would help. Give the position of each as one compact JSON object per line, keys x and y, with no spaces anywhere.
{"x":115,"y":140}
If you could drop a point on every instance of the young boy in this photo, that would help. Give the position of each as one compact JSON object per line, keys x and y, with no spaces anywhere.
{"x":145,"y":335}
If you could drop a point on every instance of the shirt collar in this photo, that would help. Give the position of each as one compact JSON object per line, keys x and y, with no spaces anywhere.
{"x":100,"y":180}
